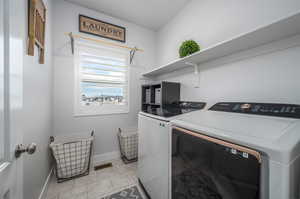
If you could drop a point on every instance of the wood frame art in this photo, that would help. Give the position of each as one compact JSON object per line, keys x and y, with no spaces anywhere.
{"x":36,"y":28}
{"x":102,"y":29}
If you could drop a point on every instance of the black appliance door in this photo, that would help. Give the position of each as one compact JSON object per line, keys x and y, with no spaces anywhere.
{"x":207,"y":168}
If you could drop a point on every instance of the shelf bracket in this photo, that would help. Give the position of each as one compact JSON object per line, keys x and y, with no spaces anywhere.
{"x":196,"y":72}
{"x":196,"y":69}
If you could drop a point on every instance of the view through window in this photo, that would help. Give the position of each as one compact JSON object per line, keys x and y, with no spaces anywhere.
{"x":103,"y":80}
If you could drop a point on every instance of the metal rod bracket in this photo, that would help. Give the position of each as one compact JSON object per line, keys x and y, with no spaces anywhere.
{"x":72,"y":42}
{"x":132,"y":53}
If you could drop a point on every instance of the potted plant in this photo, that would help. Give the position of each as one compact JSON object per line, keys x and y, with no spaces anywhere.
{"x":188,"y":47}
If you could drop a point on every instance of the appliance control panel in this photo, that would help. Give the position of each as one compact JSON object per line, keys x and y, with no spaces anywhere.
{"x":192,"y":105}
{"x":279,"y":110}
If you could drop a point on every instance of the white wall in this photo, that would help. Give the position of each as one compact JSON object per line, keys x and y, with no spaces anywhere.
{"x":65,"y":18}
{"x":209,"y":22}
{"x":271,"y":77}
{"x":37,"y":112}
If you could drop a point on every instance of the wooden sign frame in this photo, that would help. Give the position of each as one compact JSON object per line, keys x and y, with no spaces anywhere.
{"x":102,"y":29}
{"x":36,"y":28}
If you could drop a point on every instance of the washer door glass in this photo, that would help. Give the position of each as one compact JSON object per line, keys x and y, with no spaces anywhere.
{"x":202,"y":169}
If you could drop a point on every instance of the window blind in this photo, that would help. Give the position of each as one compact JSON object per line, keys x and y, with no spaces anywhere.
{"x":103,"y":77}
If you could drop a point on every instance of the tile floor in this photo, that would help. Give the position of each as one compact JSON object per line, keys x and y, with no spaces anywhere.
{"x":97,"y":184}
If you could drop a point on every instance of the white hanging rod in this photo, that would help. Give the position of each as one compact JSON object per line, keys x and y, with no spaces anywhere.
{"x":101,"y":41}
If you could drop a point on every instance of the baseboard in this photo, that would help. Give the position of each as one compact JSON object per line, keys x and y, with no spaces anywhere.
{"x":43,"y":193}
{"x":105,"y":157}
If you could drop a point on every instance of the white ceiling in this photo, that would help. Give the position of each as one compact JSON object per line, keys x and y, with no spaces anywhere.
{"x":152,"y":14}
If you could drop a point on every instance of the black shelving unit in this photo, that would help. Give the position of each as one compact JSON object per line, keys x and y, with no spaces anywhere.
{"x":160,"y":95}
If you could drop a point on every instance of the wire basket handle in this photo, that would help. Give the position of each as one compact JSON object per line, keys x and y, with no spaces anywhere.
{"x":52,"y":137}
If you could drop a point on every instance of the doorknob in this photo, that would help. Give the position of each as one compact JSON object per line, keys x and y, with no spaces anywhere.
{"x":30,"y":149}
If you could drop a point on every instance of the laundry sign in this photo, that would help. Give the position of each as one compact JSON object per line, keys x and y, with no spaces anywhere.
{"x":100,"y":28}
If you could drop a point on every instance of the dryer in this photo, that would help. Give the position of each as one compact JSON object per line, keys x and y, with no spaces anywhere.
{"x":237,"y":150}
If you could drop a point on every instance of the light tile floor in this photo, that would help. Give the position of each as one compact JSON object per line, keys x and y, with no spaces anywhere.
{"x":97,"y":184}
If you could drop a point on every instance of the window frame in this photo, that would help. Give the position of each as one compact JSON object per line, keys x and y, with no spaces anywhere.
{"x":105,"y":109}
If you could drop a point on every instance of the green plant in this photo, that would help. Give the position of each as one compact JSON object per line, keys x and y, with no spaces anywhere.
{"x":188,"y":47}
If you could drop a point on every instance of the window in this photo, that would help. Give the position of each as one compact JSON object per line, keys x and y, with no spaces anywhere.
{"x":102,"y":80}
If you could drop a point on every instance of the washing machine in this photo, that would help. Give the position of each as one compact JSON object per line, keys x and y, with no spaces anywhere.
{"x":236,"y":150}
{"x":153,"y":156}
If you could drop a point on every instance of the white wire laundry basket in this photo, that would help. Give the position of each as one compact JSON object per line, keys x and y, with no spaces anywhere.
{"x":128,"y":141}
{"x":72,"y":155}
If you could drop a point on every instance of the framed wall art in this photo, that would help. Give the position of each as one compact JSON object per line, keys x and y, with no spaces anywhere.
{"x":36,"y":28}
{"x":102,"y":29}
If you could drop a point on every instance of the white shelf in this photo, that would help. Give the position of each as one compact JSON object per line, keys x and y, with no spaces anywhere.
{"x":281,"y":29}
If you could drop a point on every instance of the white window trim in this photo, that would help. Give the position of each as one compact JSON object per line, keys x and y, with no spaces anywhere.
{"x":105,"y":109}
